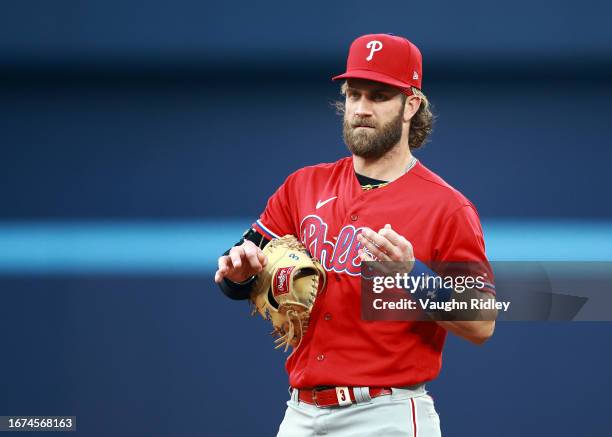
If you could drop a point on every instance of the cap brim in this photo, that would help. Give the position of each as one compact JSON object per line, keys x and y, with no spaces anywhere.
{"x":372,"y":75}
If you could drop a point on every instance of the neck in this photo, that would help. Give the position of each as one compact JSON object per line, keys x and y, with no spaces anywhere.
{"x":388,"y":167}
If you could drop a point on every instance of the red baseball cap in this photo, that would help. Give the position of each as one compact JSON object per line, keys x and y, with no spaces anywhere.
{"x":384,"y":58}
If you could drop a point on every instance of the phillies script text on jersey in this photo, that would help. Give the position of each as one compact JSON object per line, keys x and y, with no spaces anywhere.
{"x":339,"y":256}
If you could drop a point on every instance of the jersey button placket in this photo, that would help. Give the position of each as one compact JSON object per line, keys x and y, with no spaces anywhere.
{"x":327,"y":316}
{"x":354,"y":217}
{"x":320,"y":357}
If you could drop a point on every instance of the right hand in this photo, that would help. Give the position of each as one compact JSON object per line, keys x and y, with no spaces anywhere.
{"x":242,"y":262}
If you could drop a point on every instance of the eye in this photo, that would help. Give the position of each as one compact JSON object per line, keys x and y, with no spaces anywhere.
{"x":379,"y":97}
{"x":353,"y":95}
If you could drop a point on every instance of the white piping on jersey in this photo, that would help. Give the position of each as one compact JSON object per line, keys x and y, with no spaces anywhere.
{"x":261,"y":225}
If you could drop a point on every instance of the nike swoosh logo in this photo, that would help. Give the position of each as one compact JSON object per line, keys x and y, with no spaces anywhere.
{"x":320,"y":204}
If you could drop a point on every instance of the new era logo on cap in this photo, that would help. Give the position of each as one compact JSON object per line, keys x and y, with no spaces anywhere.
{"x":385,"y":58}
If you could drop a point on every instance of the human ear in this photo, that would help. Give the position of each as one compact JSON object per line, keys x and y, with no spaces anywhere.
{"x":412,"y":105}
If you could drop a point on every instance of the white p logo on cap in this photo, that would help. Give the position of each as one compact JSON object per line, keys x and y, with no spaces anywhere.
{"x":374,"y":46}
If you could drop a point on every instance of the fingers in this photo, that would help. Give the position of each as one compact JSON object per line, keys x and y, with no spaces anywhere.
{"x":386,"y":245}
{"x":378,"y":245}
{"x":399,"y":241}
{"x":253,"y":256}
{"x":379,"y":267}
{"x":224,"y":264}
{"x":373,"y":245}
{"x":365,"y":256}
{"x":236,"y":255}
{"x":224,"y":267}
{"x":243,"y":261}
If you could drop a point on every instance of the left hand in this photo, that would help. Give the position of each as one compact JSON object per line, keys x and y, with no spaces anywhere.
{"x":387,"y":245}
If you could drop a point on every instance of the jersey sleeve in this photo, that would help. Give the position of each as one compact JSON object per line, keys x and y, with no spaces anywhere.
{"x":460,"y":247}
{"x":277,"y":218}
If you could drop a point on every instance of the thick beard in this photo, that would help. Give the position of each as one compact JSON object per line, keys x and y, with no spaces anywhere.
{"x":372,"y":144}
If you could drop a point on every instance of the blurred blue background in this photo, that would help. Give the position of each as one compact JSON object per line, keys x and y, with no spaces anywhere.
{"x":140,"y":139}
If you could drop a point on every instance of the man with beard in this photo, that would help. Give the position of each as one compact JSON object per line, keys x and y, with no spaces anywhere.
{"x":354,"y":377}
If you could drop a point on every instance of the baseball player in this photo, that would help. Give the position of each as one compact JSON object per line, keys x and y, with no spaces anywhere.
{"x":352,"y":377}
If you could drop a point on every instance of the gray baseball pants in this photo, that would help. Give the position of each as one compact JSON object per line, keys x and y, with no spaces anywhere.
{"x":407,"y":412}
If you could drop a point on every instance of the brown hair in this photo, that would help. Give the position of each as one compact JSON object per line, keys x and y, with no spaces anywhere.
{"x":421,"y":124}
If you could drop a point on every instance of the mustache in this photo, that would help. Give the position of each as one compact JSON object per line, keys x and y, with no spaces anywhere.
{"x":362,"y":122}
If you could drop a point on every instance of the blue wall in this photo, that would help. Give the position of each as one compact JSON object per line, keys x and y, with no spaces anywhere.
{"x":140,"y":127}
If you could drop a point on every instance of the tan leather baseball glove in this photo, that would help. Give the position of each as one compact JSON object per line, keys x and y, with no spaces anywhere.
{"x":286,"y":290}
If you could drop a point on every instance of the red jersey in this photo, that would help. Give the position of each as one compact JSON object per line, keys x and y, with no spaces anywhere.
{"x":325,"y":207}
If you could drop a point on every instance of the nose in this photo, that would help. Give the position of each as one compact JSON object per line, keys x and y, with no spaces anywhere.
{"x":363,"y":107}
